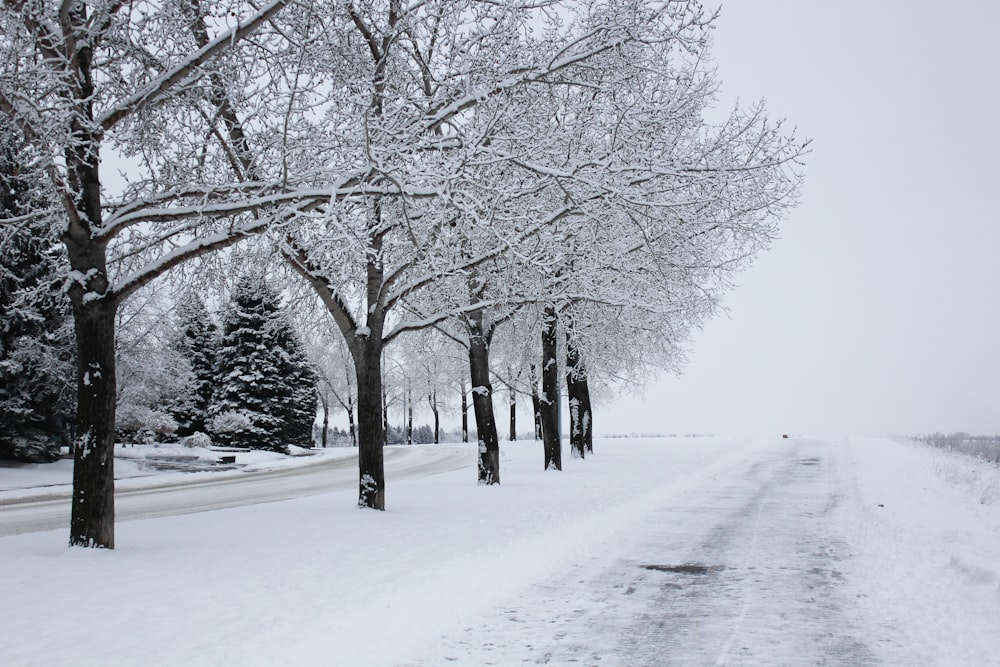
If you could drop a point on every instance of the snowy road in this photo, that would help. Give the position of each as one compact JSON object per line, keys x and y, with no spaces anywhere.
{"x":654,"y":552}
{"x":206,"y":493}
{"x":763,"y":578}
{"x":746,"y":569}
{"x":754,"y":565}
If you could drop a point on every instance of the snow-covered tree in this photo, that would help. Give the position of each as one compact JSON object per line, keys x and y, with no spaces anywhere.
{"x":197,"y":339}
{"x":266,"y":392}
{"x":153,"y":373}
{"x":36,"y":351}
{"x":299,"y":412}
{"x":334,"y":377}
{"x":658,"y":209}
{"x":436,"y":361}
{"x":367,"y":136}
{"x":155,"y":84}
{"x":437,"y":84}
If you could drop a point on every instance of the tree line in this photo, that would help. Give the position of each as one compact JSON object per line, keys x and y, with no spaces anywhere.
{"x":539,"y":177}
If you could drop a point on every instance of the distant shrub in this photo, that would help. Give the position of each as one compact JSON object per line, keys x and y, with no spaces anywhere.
{"x":984,"y":447}
{"x":231,"y":421}
{"x":140,"y":423}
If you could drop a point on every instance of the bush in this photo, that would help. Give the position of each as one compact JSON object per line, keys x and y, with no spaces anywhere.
{"x":132,"y":420}
{"x":30,"y":445}
{"x":231,"y":421}
{"x":197,"y":439}
{"x":985,"y":447}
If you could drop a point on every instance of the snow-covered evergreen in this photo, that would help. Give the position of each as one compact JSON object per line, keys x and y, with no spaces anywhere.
{"x":197,"y":339}
{"x":300,"y":410}
{"x":266,"y":393}
{"x":36,"y":349}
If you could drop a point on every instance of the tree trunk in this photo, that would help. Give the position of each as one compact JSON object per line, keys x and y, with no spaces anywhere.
{"x":92,"y":521}
{"x":432,"y":398}
{"x":549,"y":400}
{"x":371,"y":434}
{"x":409,"y":416}
{"x":385,"y":414}
{"x":465,"y":414}
{"x":350,"y":420}
{"x":482,"y":399}
{"x":536,"y":405}
{"x":512,"y":404}
{"x":92,"y":518}
{"x":325,"y":402}
{"x":578,"y":392}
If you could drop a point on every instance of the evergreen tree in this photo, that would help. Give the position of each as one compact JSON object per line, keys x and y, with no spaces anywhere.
{"x":266,"y":394}
{"x":36,"y":350}
{"x":301,"y":379}
{"x":197,"y":340}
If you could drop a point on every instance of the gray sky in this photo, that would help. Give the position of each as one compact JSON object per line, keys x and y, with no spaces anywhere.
{"x":878,"y":311}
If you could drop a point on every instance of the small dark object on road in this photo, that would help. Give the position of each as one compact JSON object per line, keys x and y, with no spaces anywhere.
{"x":686,"y":568}
{"x":784,"y":435}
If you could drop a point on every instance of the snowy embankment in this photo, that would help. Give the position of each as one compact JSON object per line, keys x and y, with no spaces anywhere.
{"x":929,"y":548}
{"x":317,"y":581}
{"x":143,"y":466}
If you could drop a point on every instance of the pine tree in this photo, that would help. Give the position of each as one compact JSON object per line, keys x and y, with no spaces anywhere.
{"x":301,"y":379}
{"x":197,"y":339}
{"x":36,"y":350}
{"x":266,"y":394}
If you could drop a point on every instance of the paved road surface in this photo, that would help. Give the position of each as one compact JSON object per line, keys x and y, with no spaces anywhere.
{"x":747,"y":571}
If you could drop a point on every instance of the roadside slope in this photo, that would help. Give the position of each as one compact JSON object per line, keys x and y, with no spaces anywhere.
{"x":928,"y":535}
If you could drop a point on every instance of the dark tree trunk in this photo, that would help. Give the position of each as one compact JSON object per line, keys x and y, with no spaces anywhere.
{"x":385,"y":417}
{"x":409,"y":416}
{"x":432,"y":398}
{"x":549,"y":400}
{"x":578,"y":392}
{"x":482,"y":399}
{"x":512,"y":404}
{"x":465,"y":413}
{"x":324,"y":401}
{"x":371,"y":434}
{"x":350,"y":420}
{"x":92,"y":522}
{"x":92,"y":518}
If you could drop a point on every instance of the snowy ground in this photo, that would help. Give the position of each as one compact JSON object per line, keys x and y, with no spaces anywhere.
{"x":688,"y":551}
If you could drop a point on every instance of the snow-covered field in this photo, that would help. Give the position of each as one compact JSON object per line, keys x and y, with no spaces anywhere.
{"x":686,"y":551}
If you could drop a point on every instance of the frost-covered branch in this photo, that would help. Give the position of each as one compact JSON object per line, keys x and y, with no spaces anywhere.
{"x":188,"y":69}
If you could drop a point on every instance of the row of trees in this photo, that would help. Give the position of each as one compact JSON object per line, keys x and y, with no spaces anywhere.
{"x":531,"y":174}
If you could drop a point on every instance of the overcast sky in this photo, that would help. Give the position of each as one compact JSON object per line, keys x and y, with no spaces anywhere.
{"x":878,"y":311}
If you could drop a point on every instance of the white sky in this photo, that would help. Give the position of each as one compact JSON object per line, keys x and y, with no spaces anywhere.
{"x":878,"y":311}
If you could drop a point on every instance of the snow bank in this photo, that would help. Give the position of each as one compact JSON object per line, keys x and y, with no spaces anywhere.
{"x":931,"y":548}
{"x":133,"y":469}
